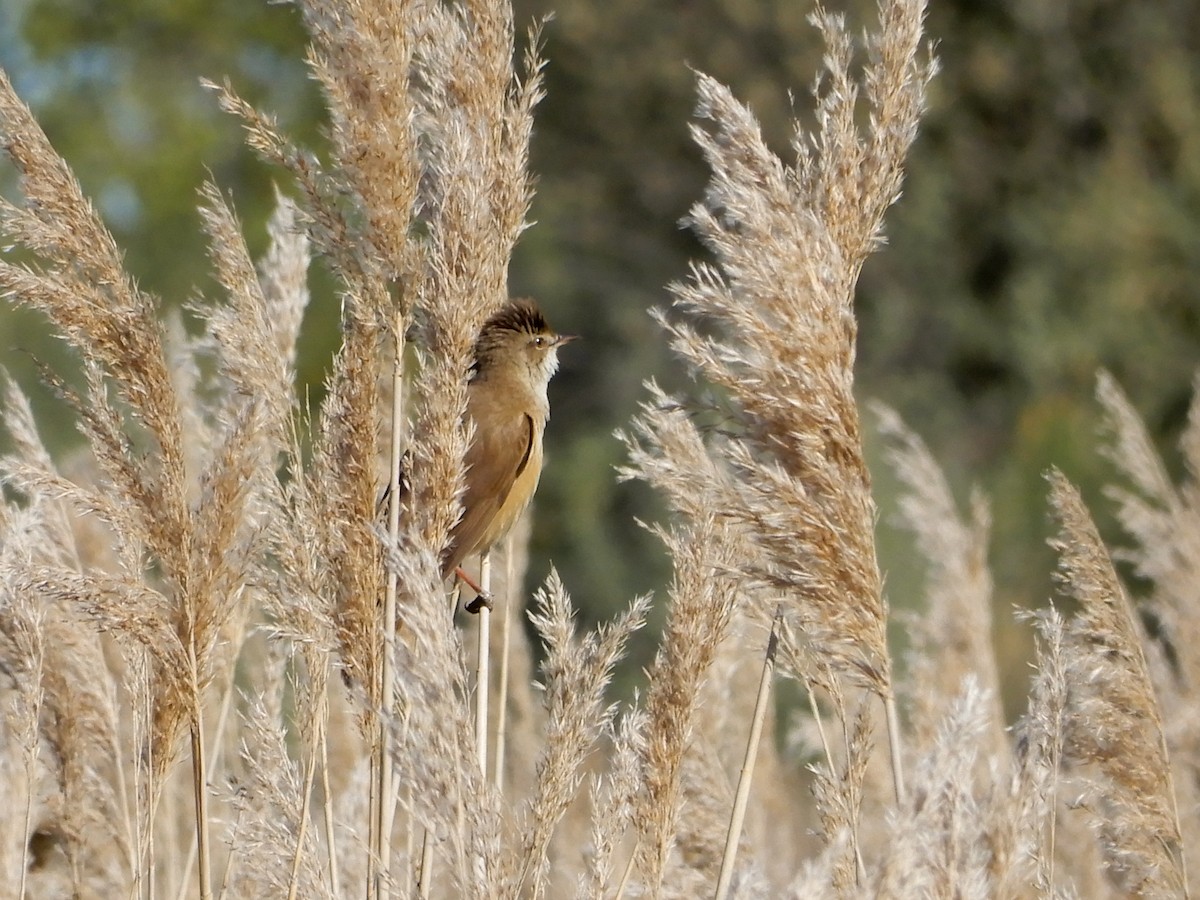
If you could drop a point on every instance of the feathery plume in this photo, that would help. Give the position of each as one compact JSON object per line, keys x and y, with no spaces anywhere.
{"x":1113,"y":724}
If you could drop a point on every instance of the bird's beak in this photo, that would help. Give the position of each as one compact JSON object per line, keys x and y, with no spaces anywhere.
{"x":565,"y":339}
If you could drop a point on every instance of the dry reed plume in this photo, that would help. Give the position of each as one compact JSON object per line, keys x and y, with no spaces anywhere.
{"x":214,"y":564}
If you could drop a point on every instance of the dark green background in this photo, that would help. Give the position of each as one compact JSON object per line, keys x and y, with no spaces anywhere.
{"x":1050,"y":225}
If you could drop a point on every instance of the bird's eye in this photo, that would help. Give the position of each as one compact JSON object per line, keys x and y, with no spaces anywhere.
{"x":539,"y":341}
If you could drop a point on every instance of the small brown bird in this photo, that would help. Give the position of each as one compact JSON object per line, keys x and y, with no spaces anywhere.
{"x":516,"y":354}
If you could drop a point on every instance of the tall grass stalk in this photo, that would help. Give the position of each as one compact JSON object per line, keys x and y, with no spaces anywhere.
{"x":507,"y":600}
{"x":199,"y":784}
{"x":214,"y":758}
{"x":386,"y":788}
{"x":746,"y":776}
{"x":310,"y":769}
{"x":327,"y":795}
{"x":425,"y":870}
{"x":483,"y":663}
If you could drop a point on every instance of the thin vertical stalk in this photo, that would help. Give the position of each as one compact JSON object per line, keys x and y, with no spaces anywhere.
{"x":426,"y":875}
{"x":482,"y":661}
{"x":624,"y":882}
{"x":746,"y":777}
{"x":502,"y":690}
{"x":373,"y":817}
{"x":201,"y":798}
{"x":334,"y":881}
{"x":211,"y":768}
{"x":893,"y":727}
{"x":199,"y":774}
{"x":143,"y":773}
{"x":229,"y":861}
{"x":30,"y":778}
{"x":410,"y":840}
{"x":305,"y":806}
{"x":386,"y":790}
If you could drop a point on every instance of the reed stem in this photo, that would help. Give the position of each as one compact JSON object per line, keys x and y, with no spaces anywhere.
{"x":502,"y":690}
{"x":738,"y":816}
{"x":482,"y":662}
{"x":386,"y":808}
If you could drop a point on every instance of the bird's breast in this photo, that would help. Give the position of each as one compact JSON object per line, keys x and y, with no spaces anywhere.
{"x":518,"y":497}
{"x":505,"y":458}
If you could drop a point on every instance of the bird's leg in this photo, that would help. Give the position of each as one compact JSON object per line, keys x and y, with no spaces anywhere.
{"x":483,"y":599}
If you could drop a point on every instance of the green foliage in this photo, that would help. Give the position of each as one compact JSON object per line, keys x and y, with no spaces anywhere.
{"x":1049,"y":229}
{"x":116,"y":87}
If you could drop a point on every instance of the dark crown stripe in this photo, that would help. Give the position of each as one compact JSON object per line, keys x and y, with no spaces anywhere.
{"x":520,"y":316}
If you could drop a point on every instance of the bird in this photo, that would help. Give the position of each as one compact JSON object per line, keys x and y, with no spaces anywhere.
{"x":516,"y":355}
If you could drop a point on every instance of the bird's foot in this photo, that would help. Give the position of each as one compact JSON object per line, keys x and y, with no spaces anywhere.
{"x":483,"y":598}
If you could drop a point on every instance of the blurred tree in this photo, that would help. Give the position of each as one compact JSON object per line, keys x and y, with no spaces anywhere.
{"x":116,"y":87}
{"x":1051,"y":226}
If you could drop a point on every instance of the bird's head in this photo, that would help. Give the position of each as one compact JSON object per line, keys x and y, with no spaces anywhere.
{"x":517,"y":341}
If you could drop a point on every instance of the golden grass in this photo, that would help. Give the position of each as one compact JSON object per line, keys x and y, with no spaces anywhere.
{"x":205,"y":585}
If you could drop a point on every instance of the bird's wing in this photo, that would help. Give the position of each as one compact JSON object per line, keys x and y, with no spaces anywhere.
{"x":496,"y":458}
